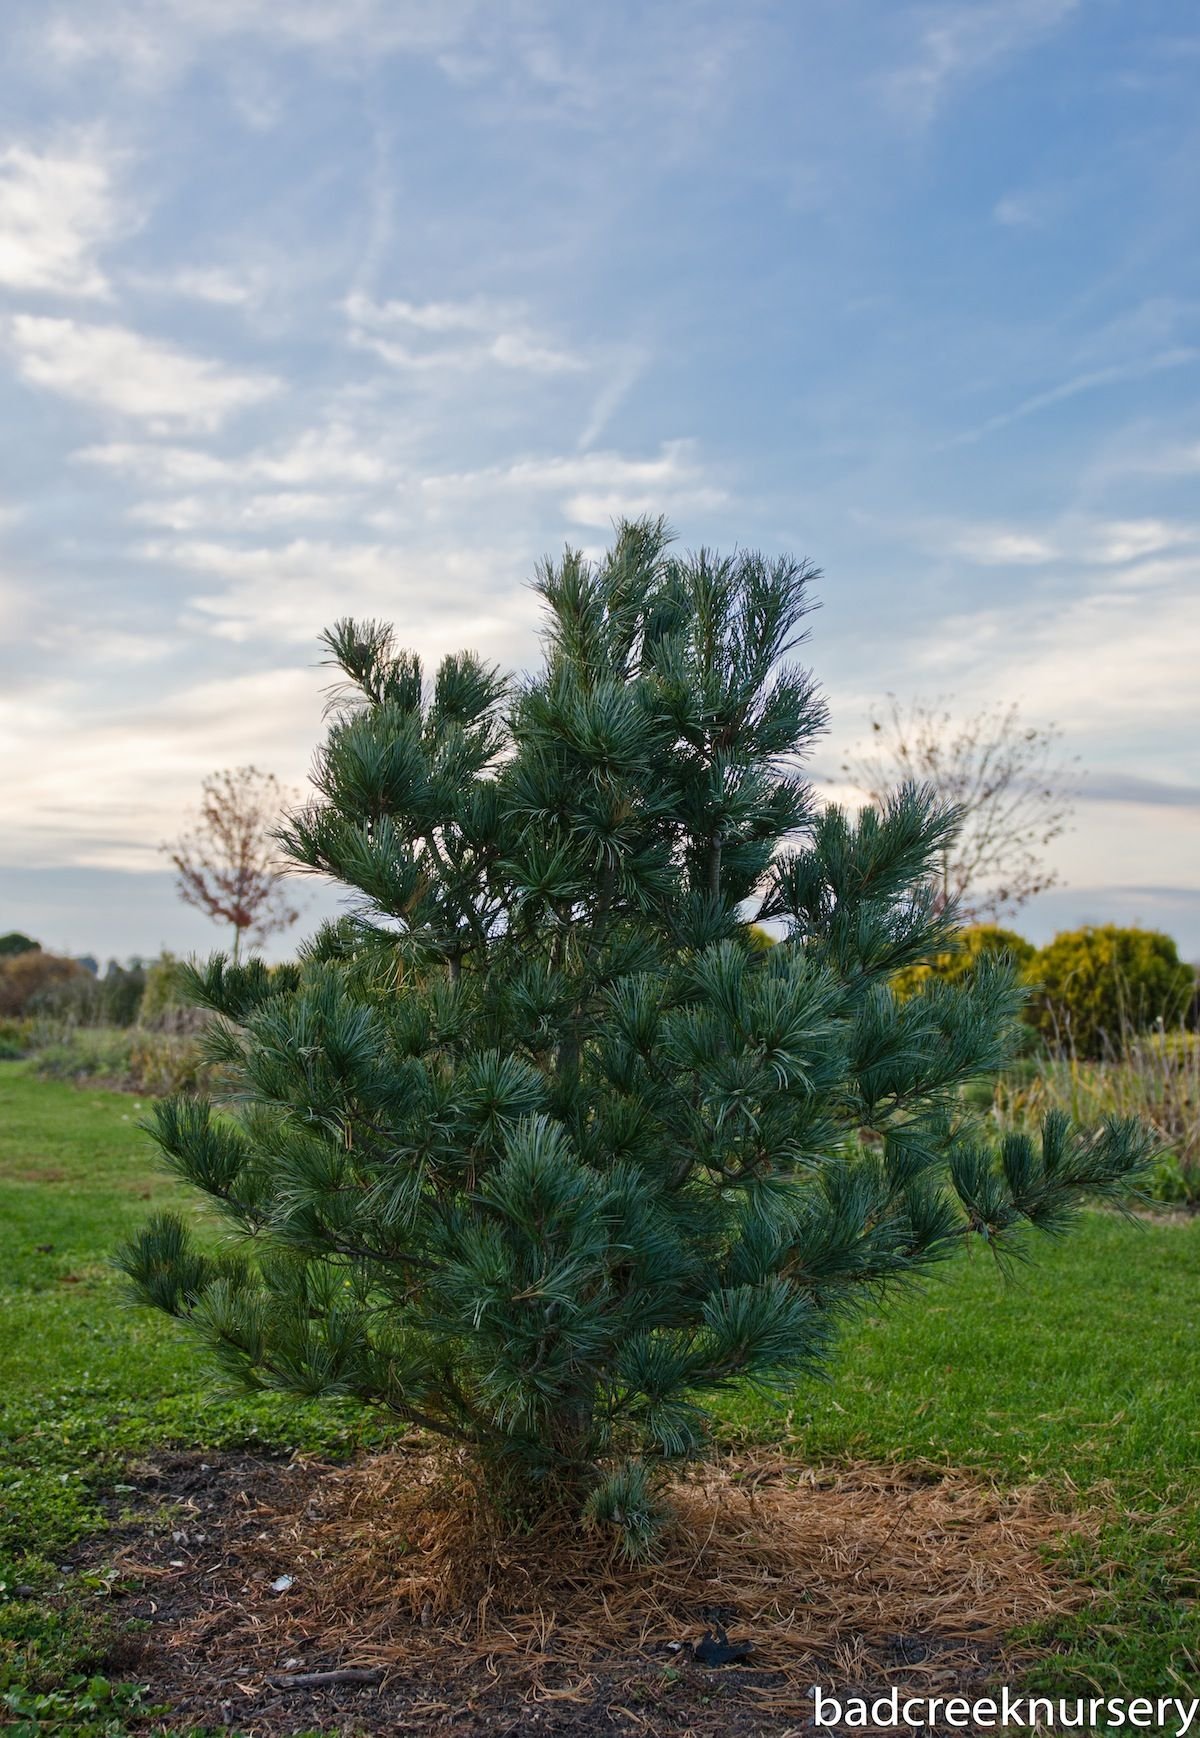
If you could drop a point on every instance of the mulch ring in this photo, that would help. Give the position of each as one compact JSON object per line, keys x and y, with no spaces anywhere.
{"x":378,"y":1597}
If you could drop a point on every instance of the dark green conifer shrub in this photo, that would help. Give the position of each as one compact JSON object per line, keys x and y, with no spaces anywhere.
{"x":14,"y":943}
{"x":534,"y":1148}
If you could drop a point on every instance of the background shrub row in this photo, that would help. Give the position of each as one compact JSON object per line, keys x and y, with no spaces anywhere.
{"x":1092,"y":990}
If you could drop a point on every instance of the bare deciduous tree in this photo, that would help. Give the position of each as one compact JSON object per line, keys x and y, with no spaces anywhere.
{"x":227,"y":865}
{"x":1014,"y":789}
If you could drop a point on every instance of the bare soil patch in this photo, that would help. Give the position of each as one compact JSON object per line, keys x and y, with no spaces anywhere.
{"x":389,"y":1574}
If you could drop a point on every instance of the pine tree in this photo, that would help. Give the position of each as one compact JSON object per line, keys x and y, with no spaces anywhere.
{"x":539,"y":1147}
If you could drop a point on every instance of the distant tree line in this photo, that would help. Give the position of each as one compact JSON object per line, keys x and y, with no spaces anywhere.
{"x":34,"y":982}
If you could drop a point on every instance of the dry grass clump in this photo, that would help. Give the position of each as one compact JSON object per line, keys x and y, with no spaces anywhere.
{"x":1154,"y":1076}
{"x":851,"y":1574}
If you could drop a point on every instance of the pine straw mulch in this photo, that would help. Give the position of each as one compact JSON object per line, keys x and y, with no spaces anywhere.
{"x":857,"y":1575}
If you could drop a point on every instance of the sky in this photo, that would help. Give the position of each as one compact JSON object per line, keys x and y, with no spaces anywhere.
{"x":311,"y":310}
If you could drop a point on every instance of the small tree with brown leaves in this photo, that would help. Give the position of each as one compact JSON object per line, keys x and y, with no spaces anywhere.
{"x":1007,"y":780}
{"x":227,"y":865}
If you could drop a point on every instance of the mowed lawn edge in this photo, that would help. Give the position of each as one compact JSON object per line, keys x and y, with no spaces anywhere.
{"x":1081,"y":1367}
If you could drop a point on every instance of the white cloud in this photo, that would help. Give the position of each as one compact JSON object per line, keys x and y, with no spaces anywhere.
{"x":57,"y":208}
{"x":600,"y":512}
{"x":332,"y":470}
{"x":225,"y":289}
{"x":521,"y":350}
{"x":151,"y":41}
{"x":618,"y":377}
{"x":1118,"y":657}
{"x":115,"y":774}
{"x":108,"y":647}
{"x":116,"y":369}
{"x":318,"y":455}
{"x":308,"y":21}
{"x":226,"y":512}
{"x":1073,"y":540}
{"x":473,"y":316}
{"x":1021,"y":211}
{"x":332,"y":453}
{"x":1121,"y":540}
{"x":965,"y":40}
{"x":440,"y":599}
{"x":1000,"y":546}
{"x":502,"y":337}
{"x":593,"y":488}
{"x":409,"y":24}
{"x":158,"y":463}
{"x":107,"y":785}
{"x":506,"y":350}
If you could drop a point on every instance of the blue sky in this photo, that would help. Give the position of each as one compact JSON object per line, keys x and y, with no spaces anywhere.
{"x":311,"y":309}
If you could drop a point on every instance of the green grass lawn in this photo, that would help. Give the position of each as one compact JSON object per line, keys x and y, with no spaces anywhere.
{"x":86,"y":1383}
{"x":1084,"y":1367}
